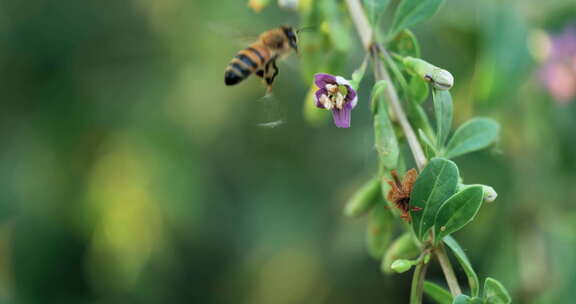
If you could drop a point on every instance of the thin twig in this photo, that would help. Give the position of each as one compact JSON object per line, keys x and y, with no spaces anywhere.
{"x":395,"y":71}
{"x":362,"y":25}
{"x":417,"y":287}
{"x":448,"y":270}
{"x":365,"y":32}
{"x":380,"y":73}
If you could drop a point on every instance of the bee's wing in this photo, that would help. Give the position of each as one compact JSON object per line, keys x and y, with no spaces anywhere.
{"x":291,"y":63}
{"x":237,"y":35}
{"x":270,"y":112}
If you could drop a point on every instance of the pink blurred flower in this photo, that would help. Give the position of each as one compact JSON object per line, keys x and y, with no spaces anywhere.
{"x":558,"y":72}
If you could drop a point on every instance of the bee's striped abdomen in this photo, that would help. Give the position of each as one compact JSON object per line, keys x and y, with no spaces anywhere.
{"x":243,"y":64}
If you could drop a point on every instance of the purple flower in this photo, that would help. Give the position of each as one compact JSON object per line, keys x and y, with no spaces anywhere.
{"x":558,"y":73}
{"x":335,"y":93}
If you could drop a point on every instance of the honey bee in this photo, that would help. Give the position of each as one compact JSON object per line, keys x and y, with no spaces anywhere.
{"x":260,"y":57}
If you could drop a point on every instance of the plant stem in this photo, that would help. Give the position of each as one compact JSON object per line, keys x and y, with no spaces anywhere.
{"x":447,"y":270}
{"x":395,"y":71}
{"x":365,"y":32}
{"x":417,"y":288}
{"x":362,"y":25}
{"x":380,"y":73}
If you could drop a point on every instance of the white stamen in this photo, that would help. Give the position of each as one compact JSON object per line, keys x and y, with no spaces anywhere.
{"x":339,"y":100}
{"x":332,"y":88}
{"x":326,"y":102}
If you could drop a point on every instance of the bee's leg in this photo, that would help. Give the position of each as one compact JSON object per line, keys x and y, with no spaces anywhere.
{"x":274,"y":71}
{"x":260,"y":73}
{"x":270,"y":72}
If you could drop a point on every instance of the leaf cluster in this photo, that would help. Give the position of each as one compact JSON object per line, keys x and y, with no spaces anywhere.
{"x":440,"y":203}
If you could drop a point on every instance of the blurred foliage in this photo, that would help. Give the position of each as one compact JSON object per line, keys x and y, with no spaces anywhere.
{"x":130,"y":174}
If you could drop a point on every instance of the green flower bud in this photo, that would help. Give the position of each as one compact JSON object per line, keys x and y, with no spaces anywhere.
{"x":490,"y":194}
{"x":400,"y":266}
{"x":403,"y":247}
{"x":439,"y":78}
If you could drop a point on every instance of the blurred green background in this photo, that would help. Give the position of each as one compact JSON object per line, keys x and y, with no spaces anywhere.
{"x":130,"y":174}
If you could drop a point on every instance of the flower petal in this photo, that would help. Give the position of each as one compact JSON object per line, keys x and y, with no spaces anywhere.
{"x":342,"y":81}
{"x":321,"y":79}
{"x":342,"y":117}
{"x":354,"y":101}
{"x":317,"y":95}
{"x":351,"y":98}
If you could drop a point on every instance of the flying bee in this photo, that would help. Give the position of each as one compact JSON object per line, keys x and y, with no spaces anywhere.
{"x":260,"y":57}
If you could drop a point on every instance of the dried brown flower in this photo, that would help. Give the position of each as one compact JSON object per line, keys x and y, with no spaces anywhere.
{"x":399,"y":194}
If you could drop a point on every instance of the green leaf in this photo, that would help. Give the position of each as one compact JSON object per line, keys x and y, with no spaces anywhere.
{"x":385,"y":138}
{"x":358,"y":74}
{"x":404,"y":247}
{"x":459,"y":210}
{"x":375,"y":8}
{"x":461,"y":299}
{"x":364,"y":198}
{"x":402,"y":265}
{"x":443,"y":109}
{"x":411,"y":12}
{"x":495,"y":292}
{"x":405,"y":44}
{"x":474,"y":135}
{"x":379,"y":230}
{"x":437,"y":293}
{"x":429,"y":148}
{"x":473,"y":281}
{"x":377,"y":89}
{"x":436,"y":183}
{"x":418,"y":89}
{"x":464,"y":299}
{"x":419,"y":119}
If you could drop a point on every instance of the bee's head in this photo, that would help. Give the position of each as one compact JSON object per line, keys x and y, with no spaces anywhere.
{"x":292,"y":36}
